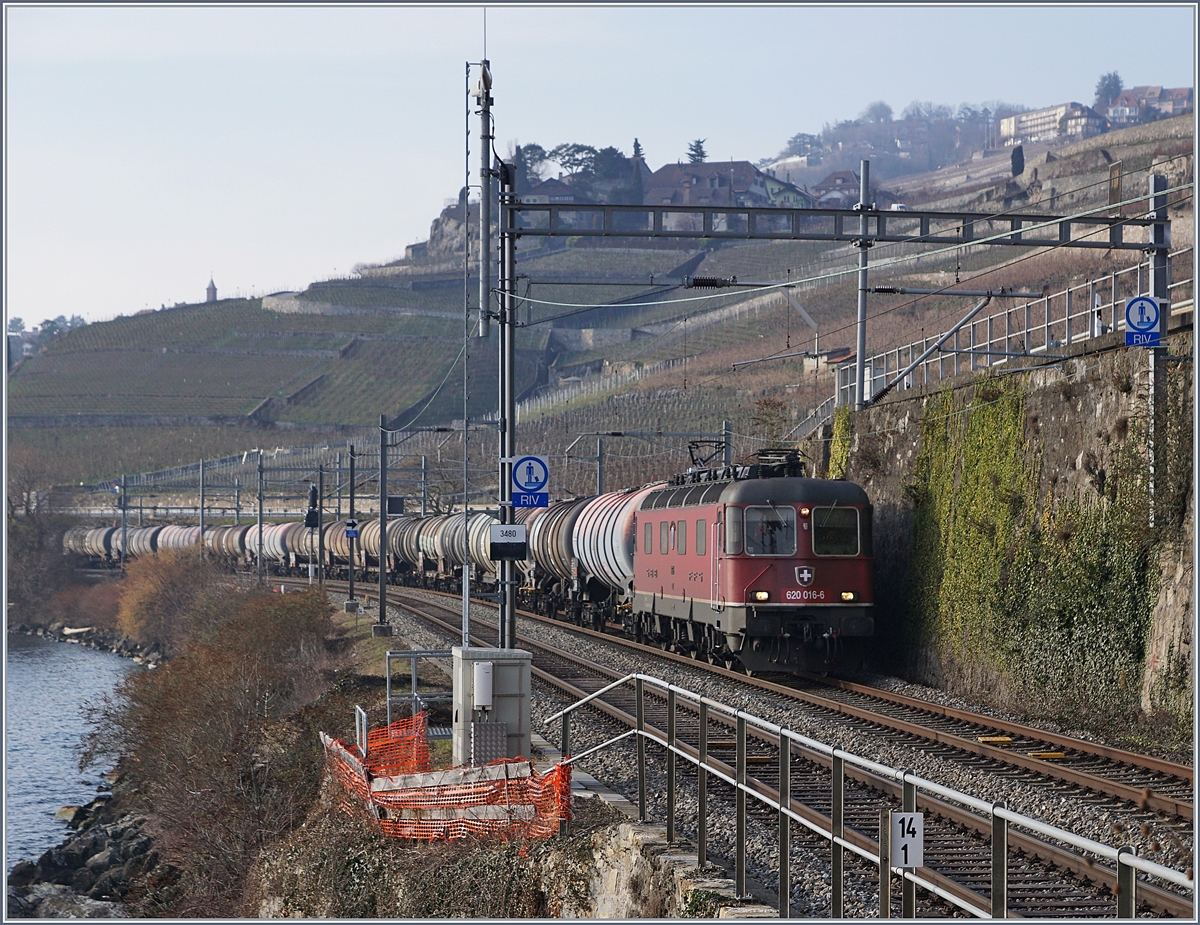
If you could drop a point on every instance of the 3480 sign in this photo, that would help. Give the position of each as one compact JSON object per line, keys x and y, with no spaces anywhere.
{"x":508,"y":541}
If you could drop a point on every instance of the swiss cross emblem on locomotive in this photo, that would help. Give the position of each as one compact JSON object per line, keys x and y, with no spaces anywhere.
{"x":804,"y":575}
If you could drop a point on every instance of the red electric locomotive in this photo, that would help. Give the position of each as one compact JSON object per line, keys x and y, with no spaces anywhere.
{"x":755,"y":564}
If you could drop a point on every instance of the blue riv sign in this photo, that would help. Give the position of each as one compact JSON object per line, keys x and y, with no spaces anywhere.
{"x":531,"y":499}
{"x":1143,"y":322}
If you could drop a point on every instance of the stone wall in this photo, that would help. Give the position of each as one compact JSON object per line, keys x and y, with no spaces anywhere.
{"x":577,"y":340}
{"x":638,"y":875}
{"x":289,"y":303}
{"x":1085,"y":420}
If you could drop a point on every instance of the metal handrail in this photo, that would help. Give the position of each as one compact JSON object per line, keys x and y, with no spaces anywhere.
{"x":1124,"y":858}
{"x":988,"y":340}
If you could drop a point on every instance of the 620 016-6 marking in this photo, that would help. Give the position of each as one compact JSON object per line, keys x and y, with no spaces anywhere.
{"x":804,"y":594}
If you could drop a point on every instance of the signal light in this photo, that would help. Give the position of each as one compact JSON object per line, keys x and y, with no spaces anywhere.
{"x":762,"y":595}
{"x":847,"y":595}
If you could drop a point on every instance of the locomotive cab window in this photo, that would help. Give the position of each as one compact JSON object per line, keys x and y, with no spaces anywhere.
{"x":835,"y":531}
{"x":681,"y":538}
{"x":649,"y":538}
{"x":770,"y":531}
{"x":701,"y":535}
{"x":733,"y":531}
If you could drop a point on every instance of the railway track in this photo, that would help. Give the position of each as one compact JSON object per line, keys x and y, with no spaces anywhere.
{"x":1050,"y":880}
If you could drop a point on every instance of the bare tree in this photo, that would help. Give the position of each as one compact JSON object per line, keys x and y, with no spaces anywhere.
{"x":877,"y":112}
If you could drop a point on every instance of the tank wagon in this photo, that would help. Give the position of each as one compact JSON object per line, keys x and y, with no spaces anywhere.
{"x":757,"y":566}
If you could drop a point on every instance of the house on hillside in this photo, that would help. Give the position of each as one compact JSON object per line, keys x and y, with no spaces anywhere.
{"x":1080,"y":122}
{"x":1144,"y":104}
{"x":839,"y":190}
{"x":1072,"y":120}
{"x":786,"y":195}
{"x":1125,"y":110}
{"x":553,"y":191}
{"x":721,"y":183}
{"x":1147,"y":97}
{"x":1176,"y":101}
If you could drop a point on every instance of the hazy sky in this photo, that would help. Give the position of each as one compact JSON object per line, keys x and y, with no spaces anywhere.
{"x":147,"y":147}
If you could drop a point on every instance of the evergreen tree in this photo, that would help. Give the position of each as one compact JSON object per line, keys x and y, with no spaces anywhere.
{"x":610,"y":164}
{"x":696,"y":152}
{"x":1018,"y":161}
{"x":1108,"y":88}
{"x":527,"y":161}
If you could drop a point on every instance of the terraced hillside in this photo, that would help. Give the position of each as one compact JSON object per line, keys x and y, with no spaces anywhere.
{"x":614,"y":319}
{"x":234,"y":360}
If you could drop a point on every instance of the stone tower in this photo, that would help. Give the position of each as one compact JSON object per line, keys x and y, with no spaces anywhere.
{"x":211,"y":292}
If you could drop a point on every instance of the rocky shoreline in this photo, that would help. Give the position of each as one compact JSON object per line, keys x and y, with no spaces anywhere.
{"x":89,"y":873}
{"x":94,"y":638}
{"x":91,"y":870}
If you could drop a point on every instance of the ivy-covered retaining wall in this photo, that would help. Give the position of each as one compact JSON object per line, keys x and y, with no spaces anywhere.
{"x":1016,"y":560}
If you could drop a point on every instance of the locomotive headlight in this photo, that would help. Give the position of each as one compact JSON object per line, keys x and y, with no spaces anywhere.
{"x":804,"y":512}
{"x":847,"y":595}
{"x":762,"y":595}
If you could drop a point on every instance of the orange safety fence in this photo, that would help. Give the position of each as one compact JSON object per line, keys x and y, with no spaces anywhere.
{"x":506,"y":798}
{"x":401,"y":748}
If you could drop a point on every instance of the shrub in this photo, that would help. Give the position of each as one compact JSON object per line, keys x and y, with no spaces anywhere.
{"x":207,"y":745}
{"x":168,"y":598}
{"x":87,"y":605}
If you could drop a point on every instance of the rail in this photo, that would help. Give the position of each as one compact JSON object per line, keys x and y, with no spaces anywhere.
{"x":1125,"y":858}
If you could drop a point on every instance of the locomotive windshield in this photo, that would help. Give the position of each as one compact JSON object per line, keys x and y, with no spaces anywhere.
{"x":770,"y":531}
{"x":835,"y":531}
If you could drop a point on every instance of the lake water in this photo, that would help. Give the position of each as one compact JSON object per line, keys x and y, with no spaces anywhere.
{"x":46,"y":685}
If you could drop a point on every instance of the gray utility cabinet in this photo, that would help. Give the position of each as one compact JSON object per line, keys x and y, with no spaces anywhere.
{"x":509,"y":698}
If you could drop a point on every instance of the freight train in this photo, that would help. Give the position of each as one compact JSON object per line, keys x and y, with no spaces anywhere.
{"x":758,"y":566}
